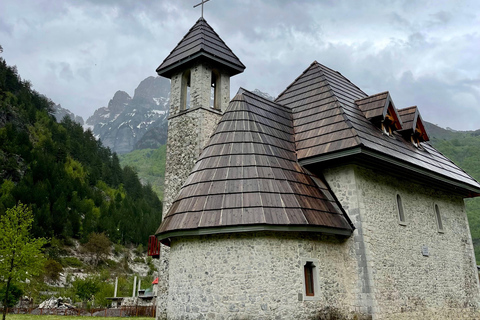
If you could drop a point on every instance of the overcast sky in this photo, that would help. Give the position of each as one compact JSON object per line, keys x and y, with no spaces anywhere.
{"x":426,"y":53}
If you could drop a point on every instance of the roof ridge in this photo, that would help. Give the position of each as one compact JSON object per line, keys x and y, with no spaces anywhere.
{"x":223,"y":41}
{"x":407,"y":108}
{"x":293,"y":82}
{"x":207,"y":44}
{"x":335,"y":71}
{"x":339,"y":105}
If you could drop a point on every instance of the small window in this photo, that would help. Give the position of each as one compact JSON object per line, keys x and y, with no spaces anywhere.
{"x":401,"y":213}
{"x":309,"y":283}
{"x":439,"y":219}
{"x":185,"y":91}
{"x":310,"y":279}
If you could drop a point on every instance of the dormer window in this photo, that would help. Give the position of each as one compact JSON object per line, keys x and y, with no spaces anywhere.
{"x":388,"y":125}
{"x":381,"y":112}
{"x":413,"y":128}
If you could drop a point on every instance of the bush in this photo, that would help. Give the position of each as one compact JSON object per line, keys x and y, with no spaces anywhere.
{"x":140,"y":250}
{"x":118,"y":249}
{"x":139,"y":260}
{"x":86,"y":288}
{"x":52,"y":270}
{"x":105,"y":290}
{"x":72,"y":262}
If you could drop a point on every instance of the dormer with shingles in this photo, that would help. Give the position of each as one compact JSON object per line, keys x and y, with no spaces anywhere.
{"x":379,"y":109}
{"x":413,"y":128}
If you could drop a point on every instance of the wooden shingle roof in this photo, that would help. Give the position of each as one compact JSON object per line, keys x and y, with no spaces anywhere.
{"x":412,"y":123}
{"x":248,"y":177}
{"x":329,"y":124}
{"x":201,"y":42}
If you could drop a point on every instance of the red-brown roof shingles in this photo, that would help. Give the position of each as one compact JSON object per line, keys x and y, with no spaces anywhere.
{"x":248,"y":175}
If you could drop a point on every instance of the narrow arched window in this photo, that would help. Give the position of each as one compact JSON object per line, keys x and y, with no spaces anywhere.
{"x":215,"y":90}
{"x":401,"y":213}
{"x":309,"y":280}
{"x":185,"y":93}
{"x":439,"y":219}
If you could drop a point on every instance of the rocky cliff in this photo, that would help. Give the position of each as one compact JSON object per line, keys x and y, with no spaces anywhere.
{"x":60,"y":113}
{"x":124,"y":122}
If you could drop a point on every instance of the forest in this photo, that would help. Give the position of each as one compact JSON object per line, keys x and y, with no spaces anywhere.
{"x":73,"y":185}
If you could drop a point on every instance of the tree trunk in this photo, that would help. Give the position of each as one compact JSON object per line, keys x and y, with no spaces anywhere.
{"x":6,"y":299}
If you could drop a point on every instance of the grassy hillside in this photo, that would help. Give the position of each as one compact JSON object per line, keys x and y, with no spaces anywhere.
{"x":150,"y":166}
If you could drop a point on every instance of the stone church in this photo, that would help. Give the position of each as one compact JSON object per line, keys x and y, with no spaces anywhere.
{"x":324,"y":202}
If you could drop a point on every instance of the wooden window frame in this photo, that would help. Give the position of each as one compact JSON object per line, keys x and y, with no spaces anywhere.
{"x":308,"y":270}
{"x":310,"y":279}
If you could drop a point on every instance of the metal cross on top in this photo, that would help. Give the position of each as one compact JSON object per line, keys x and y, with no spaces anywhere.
{"x":201,"y":3}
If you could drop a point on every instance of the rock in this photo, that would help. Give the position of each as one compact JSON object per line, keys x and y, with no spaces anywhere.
{"x":60,"y":113}
{"x":122,"y":124}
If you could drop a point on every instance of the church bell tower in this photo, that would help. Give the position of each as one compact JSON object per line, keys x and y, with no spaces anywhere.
{"x":199,"y":67}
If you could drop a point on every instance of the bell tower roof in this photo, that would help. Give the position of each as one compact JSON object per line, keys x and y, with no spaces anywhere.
{"x":201,"y":42}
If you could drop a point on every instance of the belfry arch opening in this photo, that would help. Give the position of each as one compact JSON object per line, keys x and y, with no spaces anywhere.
{"x":215,"y":90}
{"x":185,"y":91}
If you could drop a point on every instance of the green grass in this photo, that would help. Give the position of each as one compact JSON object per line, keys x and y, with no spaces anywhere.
{"x":38,"y":317}
{"x":150,"y":166}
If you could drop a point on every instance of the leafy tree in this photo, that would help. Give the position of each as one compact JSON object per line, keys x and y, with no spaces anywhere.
{"x":20,"y":255}
{"x":98,"y":246}
{"x":14,"y":294}
{"x":86,"y":288}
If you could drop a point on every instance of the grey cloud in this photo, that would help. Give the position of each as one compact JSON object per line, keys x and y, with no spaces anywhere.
{"x":65,"y":71}
{"x":80,"y":52}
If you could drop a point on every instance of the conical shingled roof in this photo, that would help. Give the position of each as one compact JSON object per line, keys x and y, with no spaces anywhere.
{"x":201,"y":41}
{"x":328,"y":125}
{"x":248,"y":177}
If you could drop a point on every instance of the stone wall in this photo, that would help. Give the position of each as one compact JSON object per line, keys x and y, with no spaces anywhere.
{"x":397,"y":280}
{"x":188,"y":133}
{"x":257,"y":276}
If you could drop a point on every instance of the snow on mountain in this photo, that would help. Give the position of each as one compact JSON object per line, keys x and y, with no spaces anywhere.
{"x":122,"y":124}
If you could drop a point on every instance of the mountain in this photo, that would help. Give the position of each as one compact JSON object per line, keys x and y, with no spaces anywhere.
{"x":263,"y":94}
{"x":60,"y":113}
{"x":124,"y":122}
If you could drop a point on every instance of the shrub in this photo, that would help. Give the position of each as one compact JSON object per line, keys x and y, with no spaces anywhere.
{"x":52,"y":270}
{"x":139,"y":260}
{"x":118,"y":249}
{"x":72,"y":262}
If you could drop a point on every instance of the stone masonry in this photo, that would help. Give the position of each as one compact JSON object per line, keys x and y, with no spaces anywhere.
{"x":396,"y":281}
{"x":256,"y":276}
{"x":188,"y":132}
